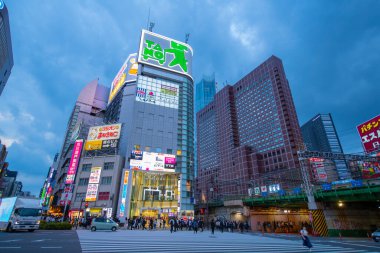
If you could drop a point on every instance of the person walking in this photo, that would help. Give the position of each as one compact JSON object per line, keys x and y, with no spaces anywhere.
{"x":212,"y":226}
{"x":305,"y":239}
{"x":171,"y":223}
{"x":195,"y":226}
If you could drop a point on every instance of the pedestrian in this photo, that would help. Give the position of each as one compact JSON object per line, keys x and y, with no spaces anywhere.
{"x":195,"y":226}
{"x":212,"y":226}
{"x":164,"y":224}
{"x":305,"y":239}
{"x":171,"y":223}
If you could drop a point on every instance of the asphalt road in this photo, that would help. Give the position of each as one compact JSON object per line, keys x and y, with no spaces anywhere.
{"x":57,"y":241}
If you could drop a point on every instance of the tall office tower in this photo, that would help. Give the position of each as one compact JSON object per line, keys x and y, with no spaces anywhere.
{"x":249,"y":136}
{"x":88,"y":111}
{"x":319,"y":134}
{"x":155,"y":106}
{"x":204,"y":93}
{"x":6,"y":54}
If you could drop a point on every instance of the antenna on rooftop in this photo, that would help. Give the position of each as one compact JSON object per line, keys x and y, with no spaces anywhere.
{"x":187,"y":36}
{"x":147,"y":23}
{"x":151,"y":25}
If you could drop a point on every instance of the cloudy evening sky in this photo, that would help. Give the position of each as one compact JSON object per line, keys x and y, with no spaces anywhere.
{"x":330,"y":51}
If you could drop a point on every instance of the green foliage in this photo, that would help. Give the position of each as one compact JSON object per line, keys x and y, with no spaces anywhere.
{"x":55,"y":225}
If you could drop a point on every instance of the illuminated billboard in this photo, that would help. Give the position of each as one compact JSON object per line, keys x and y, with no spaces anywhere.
{"x":92,"y":192}
{"x":74,"y":161}
{"x":6,"y":208}
{"x":157,"y":92}
{"x":95,"y":175}
{"x":101,"y":137}
{"x":318,"y":169}
{"x":126,"y":74}
{"x":165,"y":53}
{"x":151,"y":161}
{"x":370,"y":134}
{"x":369,"y":170}
{"x":124,"y":193}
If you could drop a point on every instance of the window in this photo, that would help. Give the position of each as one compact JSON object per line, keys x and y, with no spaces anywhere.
{"x":83,"y":181}
{"x":147,"y":148}
{"x":80,"y":196}
{"x":169,"y":151}
{"x":106,"y":180}
{"x":103,"y":196}
{"x":86,"y":167}
{"x":109,"y":166}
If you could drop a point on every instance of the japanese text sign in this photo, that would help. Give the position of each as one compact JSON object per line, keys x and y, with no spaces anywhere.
{"x":107,"y":132}
{"x":74,"y":161}
{"x":370,"y":134}
{"x":126,"y":74}
{"x":95,"y":175}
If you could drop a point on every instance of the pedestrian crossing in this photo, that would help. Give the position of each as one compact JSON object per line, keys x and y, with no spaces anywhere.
{"x":188,"y":242}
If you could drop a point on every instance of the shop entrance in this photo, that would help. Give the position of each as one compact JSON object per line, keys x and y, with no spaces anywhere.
{"x":150,"y":213}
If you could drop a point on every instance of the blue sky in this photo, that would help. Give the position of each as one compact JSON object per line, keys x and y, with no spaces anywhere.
{"x":330,"y":50}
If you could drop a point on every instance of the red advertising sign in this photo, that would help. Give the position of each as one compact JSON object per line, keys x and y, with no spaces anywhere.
{"x":74,"y":161}
{"x":370,"y":134}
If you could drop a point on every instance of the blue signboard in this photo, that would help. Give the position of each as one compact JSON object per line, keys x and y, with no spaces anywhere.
{"x":326,"y":187}
{"x":297,"y":190}
{"x":2,"y":4}
{"x":6,"y":208}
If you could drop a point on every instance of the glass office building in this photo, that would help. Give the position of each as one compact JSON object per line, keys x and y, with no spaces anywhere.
{"x":319,"y":134}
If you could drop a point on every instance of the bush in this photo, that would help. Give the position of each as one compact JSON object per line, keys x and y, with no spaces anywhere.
{"x":55,"y":225}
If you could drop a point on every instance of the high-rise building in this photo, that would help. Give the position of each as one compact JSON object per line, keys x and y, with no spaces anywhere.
{"x":156,"y":109}
{"x":319,"y":134}
{"x":204,"y":92}
{"x":8,"y":183}
{"x":138,"y":151}
{"x":6,"y":54}
{"x":88,"y":111}
{"x":248,"y":136}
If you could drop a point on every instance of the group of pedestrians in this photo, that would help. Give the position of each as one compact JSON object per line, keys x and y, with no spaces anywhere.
{"x":230,"y":226}
{"x":144,"y":223}
{"x":190,"y":225}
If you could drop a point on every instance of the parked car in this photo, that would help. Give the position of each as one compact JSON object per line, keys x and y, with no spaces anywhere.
{"x":376,"y":235}
{"x":103,"y":224}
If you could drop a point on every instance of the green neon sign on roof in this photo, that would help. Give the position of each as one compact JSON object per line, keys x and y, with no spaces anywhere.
{"x":159,"y":51}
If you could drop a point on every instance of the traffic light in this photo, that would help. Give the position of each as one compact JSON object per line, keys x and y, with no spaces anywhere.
{"x":86,"y":204}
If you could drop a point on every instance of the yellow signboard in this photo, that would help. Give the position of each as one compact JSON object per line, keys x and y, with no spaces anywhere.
{"x":93,"y":145}
{"x":126,"y":175}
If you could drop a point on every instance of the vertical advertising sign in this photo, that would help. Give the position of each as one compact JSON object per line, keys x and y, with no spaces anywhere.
{"x":126,"y":74}
{"x":124,"y":194}
{"x":92,"y":192}
{"x":162,"y":52}
{"x":95,"y":175}
{"x":74,"y":161}
{"x":369,"y":132}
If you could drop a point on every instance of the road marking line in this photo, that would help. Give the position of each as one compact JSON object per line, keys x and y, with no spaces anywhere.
{"x":10,"y":247}
{"x":361,"y":245}
{"x":15,"y":240}
{"x":51,"y":247}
